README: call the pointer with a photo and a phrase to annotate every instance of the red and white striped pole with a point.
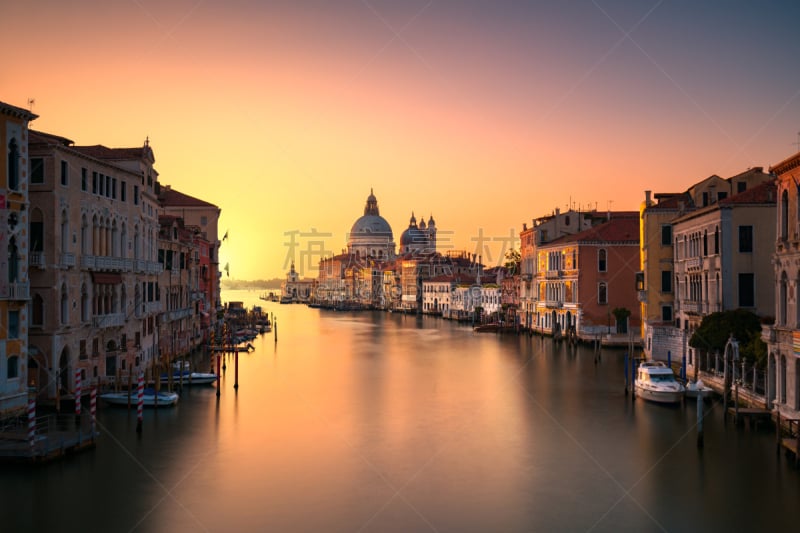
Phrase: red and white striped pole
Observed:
(140, 403)
(31, 420)
(93, 408)
(77, 392)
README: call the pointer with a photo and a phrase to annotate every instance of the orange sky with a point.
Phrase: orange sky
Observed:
(484, 114)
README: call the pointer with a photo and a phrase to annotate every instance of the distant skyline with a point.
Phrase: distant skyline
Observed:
(483, 114)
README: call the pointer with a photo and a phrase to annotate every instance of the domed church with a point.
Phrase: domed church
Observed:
(371, 236)
(418, 238)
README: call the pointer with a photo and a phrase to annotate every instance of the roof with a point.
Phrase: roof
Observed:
(763, 193)
(786, 165)
(169, 197)
(623, 226)
(16, 112)
(40, 137)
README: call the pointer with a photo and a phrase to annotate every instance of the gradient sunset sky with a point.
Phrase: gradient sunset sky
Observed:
(482, 114)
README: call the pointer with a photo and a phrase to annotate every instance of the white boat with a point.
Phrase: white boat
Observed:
(656, 382)
(190, 378)
(698, 389)
(150, 398)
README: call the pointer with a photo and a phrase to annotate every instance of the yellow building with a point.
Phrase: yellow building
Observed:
(14, 236)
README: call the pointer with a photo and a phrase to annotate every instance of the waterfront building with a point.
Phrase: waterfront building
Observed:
(510, 283)
(371, 235)
(294, 289)
(582, 278)
(14, 265)
(204, 215)
(662, 332)
(543, 230)
(783, 337)
(418, 238)
(178, 289)
(93, 268)
(722, 260)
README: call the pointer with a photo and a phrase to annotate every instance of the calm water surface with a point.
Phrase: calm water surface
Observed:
(385, 422)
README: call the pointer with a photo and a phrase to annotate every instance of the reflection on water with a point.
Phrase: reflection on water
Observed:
(387, 422)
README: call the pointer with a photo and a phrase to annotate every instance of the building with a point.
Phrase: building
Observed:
(93, 268)
(722, 259)
(179, 289)
(783, 337)
(371, 235)
(582, 278)
(14, 264)
(418, 238)
(294, 289)
(543, 230)
(203, 215)
(661, 332)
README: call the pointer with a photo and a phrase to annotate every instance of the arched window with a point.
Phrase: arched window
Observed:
(64, 232)
(602, 293)
(783, 380)
(13, 367)
(705, 242)
(716, 240)
(13, 165)
(784, 229)
(86, 242)
(13, 260)
(601, 260)
(64, 304)
(783, 318)
(123, 241)
(84, 303)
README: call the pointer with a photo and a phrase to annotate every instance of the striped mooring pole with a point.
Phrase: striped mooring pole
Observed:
(77, 392)
(93, 408)
(140, 403)
(31, 420)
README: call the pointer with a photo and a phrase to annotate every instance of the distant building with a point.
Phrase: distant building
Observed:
(14, 262)
(371, 235)
(294, 289)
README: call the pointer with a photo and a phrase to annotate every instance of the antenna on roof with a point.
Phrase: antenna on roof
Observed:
(31, 101)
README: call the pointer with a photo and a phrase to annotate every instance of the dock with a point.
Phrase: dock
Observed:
(56, 435)
(750, 415)
(790, 439)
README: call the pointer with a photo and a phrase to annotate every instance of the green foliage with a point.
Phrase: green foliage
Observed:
(513, 259)
(716, 328)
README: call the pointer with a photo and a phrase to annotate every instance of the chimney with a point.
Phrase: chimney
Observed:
(524, 226)
(647, 200)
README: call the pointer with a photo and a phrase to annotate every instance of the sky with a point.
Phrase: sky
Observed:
(483, 114)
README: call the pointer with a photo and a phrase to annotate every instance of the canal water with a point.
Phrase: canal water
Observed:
(386, 422)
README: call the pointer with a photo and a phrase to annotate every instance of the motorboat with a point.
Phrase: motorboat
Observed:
(698, 389)
(656, 382)
(190, 378)
(151, 398)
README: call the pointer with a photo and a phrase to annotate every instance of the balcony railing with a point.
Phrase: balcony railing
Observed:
(554, 274)
(19, 291)
(694, 263)
(178, 314)
(109, 321)
(37, 260)
(67, 260)
(152, 307)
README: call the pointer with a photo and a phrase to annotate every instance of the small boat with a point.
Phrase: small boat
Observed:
(492, 327)
(698, 389)
(190, 378)
(656, 382)
(150, 398)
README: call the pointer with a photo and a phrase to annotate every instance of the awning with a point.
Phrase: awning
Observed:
(106, 278)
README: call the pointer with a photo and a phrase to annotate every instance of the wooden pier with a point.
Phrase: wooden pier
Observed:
(750, 415)
(56, 435)
(789, 440)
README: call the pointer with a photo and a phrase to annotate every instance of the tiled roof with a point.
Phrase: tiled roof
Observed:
(40, 137)
(98, 151)
(763, 193)
(622, 227)
(169, 197)
(672, 201)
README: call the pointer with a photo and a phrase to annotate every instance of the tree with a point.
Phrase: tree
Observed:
(714, 330)
(513, 260)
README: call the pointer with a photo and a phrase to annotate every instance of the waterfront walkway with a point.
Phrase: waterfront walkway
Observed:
(55, 436)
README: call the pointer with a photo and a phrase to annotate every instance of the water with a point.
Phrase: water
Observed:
(385, 422)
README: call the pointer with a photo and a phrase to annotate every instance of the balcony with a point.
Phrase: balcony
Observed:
(554, 274)
(67, 260)
(694, 263)
(152, 307)
(552, 304)
(19, 291)
(111, 320)
(691, 307)
(178, 314)
(37, 260)
(641, 296)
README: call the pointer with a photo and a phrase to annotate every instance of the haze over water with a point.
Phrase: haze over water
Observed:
(388, 422)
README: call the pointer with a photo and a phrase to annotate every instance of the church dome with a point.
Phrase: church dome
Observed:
(374, 225)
